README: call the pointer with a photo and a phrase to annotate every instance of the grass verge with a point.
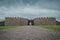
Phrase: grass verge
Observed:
(6, 27)
(51, 27)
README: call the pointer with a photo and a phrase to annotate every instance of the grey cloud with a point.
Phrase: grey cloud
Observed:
(51, 4)
(26, 8)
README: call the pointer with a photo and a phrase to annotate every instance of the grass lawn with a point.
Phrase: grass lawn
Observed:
(6, 27)
(51, 27)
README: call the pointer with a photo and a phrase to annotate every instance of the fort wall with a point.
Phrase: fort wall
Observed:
(15, 21)
(9, 21)
(45, 21)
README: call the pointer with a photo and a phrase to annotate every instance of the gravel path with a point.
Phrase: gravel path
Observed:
(29, 33)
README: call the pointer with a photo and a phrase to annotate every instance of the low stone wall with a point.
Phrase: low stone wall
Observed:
(57, 23)
(2, 23)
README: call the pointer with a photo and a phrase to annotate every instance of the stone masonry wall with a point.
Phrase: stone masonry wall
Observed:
(9, 21)
(45, 21)
(23, 21)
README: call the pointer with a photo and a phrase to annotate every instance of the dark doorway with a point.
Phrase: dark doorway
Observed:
(30, 22)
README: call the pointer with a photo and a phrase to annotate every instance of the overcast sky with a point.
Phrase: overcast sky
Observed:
(29, 8)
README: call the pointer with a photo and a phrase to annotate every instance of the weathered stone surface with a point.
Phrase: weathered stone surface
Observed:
(45, 21)
(15, 21)
(24, 21)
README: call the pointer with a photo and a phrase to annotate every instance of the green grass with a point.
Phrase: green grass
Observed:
(6, 27)
(51, 27)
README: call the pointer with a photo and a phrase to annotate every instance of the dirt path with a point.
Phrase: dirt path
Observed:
(28, 33)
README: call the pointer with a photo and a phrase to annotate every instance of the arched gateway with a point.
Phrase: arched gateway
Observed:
(30, 22)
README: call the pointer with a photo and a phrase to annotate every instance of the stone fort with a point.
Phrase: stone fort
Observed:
(12, 21)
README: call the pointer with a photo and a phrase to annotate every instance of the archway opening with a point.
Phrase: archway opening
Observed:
(30, 22)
